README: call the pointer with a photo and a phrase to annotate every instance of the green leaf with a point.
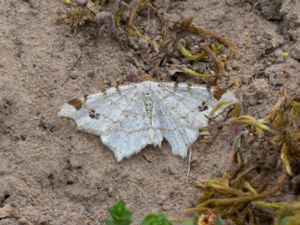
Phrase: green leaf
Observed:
(188, 222)
(155, 219)
(287, 220)
(192, 221)
(219, 221)
(120, 215)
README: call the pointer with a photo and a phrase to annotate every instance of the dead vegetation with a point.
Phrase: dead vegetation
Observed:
(265, 151)
(250, 190)
(166, 47)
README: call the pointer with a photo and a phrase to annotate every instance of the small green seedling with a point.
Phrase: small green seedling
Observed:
(155, 219)
(120, 215)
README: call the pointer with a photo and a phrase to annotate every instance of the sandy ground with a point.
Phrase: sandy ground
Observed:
(53, 174)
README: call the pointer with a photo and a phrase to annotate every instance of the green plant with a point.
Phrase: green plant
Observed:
(120, 215)
(289, 214)
(155, 219)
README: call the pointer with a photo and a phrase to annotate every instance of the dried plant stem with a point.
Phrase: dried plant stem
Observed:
(242, 199)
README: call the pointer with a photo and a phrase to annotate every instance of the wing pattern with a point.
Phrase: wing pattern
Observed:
(132, 116)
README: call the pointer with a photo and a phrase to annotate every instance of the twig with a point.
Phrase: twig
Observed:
(254, 6)
(189, 162)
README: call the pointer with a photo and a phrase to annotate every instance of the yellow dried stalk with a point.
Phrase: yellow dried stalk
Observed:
(190, 56)
(231, 196)
(251, 121)
(187, 25)
(218, 106)
(196, 74)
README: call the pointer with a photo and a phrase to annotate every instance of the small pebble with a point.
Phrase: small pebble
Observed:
(81, 2)
(248, 7)
(235, 65)
(22, 221)
(167, 206)
(91, 74)
(73, 75)
(295, 52)
(279, 55)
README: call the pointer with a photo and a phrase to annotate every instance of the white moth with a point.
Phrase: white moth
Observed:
(132, 116)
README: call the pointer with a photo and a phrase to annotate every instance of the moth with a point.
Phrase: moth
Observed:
(132, 116)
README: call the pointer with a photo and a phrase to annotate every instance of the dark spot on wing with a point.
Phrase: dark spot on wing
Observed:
(203, 107)
(76, 102)
(176, 84)
(93, 114)
(103, 91)
(118, 89)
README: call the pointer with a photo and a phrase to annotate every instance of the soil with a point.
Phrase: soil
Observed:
(54, 174)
